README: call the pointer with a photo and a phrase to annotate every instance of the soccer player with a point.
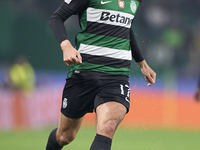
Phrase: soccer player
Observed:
(197, 93)
(99, 68)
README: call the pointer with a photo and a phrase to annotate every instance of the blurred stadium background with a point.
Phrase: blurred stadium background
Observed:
(32, 75)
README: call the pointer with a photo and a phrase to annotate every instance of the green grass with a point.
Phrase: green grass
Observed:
(125, 139)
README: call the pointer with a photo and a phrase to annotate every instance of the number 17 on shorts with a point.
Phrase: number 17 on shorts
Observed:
(125, 90)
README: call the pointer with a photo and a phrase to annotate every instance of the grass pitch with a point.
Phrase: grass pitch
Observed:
(125, 139)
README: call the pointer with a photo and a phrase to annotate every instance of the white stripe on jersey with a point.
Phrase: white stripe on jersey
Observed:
(103, 51)
(109, 17)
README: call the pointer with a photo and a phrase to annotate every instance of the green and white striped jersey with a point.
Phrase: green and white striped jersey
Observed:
(104, 39)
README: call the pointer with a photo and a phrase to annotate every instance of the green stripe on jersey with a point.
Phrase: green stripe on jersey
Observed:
(99, 68)
(102, 40)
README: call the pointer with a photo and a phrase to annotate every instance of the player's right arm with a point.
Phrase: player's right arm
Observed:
(70, 54)
(68, 8)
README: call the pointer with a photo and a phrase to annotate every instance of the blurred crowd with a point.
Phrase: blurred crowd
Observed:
(167, 32)
(19, 76)
(171, 36)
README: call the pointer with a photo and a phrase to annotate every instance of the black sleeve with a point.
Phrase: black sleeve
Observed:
(62, 14)
(136, 54)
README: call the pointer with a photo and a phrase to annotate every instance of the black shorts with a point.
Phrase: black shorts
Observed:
(81, 96)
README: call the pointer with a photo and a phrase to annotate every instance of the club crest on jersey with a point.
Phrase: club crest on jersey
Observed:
(133, 6)
(121, 4)
(68, 1)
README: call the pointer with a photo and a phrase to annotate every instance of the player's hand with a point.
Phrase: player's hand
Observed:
(150, 75)
(70, 54)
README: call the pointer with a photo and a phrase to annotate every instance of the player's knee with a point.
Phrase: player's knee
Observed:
(66, 139)
(107, 128)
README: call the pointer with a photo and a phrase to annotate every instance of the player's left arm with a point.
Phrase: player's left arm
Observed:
(150, 75)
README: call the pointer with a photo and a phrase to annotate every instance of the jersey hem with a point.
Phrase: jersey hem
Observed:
(97, 75)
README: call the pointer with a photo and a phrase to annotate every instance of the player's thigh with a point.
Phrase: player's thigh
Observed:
(109, 115)
(68, 127)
